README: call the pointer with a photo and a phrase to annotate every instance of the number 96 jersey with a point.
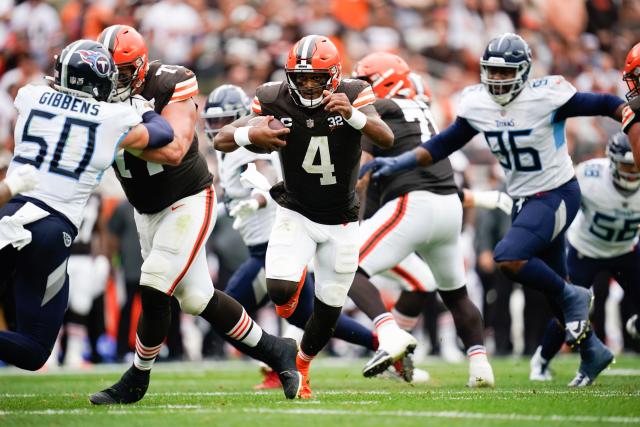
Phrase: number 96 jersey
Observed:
(607, 223)
(321, 160)
(530, 146)
(71, 141)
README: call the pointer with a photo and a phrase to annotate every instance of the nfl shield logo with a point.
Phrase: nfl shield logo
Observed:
(310, 123)
(67, 239)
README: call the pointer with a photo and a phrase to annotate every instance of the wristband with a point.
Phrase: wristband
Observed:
(241, 136)
(358, 119)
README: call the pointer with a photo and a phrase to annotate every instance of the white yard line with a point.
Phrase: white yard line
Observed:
(311, 411)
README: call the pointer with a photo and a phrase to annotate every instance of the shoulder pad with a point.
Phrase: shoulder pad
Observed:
(268, 92)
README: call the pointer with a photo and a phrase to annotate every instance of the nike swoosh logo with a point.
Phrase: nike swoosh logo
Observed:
(173, 208)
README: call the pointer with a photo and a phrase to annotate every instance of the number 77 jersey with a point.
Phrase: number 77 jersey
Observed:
(530, 146)
(71, 141)
(321, 160)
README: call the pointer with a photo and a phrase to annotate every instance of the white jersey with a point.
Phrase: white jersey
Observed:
(530, 147)
(71, 141)
(607, 224)
(257, 228)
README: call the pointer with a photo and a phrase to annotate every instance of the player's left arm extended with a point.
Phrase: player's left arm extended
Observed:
(182, 117)
(590, 104)
(435, 149)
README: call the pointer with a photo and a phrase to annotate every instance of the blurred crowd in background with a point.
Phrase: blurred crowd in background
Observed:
(246, 42)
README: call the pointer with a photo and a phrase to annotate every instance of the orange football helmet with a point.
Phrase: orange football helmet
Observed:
(387, 73)
(129, 52)
(313, 55)
(631, 73)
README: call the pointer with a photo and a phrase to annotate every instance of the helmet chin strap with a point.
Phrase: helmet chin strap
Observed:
(311, 103)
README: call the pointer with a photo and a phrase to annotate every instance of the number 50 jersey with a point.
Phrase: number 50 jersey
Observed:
(71, 141)
(529, 145)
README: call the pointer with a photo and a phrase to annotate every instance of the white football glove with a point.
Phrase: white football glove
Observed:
(22, 179)
(140, 104)
(243, 210)
(493, 200)
(251, 178)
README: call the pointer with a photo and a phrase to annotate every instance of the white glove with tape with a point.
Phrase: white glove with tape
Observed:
(251, 178)
(140, 104)
(22, 179)
(243, 210)
(493, 200)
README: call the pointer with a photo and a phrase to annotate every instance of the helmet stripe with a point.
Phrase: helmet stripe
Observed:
(65, 62)
(109, 40)
(305, 50)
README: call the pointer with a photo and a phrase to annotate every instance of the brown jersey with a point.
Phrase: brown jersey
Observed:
(321, 160)
(412, 124)
(152, 187)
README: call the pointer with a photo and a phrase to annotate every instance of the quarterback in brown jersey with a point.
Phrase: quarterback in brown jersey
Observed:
(175, 213)
(325, 117)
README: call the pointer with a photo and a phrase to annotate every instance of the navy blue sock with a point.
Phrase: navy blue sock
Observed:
(552, 340)
(538, 275)
(22, 351)
(352, 331)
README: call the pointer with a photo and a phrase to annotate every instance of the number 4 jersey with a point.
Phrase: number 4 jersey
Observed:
(71, 141)
(529, 145)
(321, 160)
(607, 223)
(151, 187)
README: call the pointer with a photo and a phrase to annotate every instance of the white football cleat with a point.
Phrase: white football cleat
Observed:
(631, 327)
(391, 348)
(481, 375)
(539, 367)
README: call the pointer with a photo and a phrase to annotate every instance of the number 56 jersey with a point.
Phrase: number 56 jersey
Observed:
(71, 141)
(530, 146)
(321, 160)
(607, 223)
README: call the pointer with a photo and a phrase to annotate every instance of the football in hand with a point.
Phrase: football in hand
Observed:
(274, 124)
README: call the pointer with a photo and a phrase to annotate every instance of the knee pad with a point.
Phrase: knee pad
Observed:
(333, 294)
(193, 300)
(155, 272)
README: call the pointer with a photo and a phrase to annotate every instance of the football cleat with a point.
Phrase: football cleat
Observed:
(284, 363)
(594, 360)
(404, 367)
(480, 374)
(576, 307)
(389, 351)
(539, 367)
(305, 389)
(270, 380)
(632, 329)
(131, 388)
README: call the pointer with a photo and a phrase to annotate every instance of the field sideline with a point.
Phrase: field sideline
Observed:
(219, 393)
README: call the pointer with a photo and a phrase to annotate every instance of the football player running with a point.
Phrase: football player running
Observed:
(254, 212)
(631, 113)
(523, 124)
(175, 213)
(409, 221)
(67, 135)
(317, 217)
(603, 238)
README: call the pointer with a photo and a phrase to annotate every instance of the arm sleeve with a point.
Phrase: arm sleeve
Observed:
(160, 131)
(449, 140)
(588, 104)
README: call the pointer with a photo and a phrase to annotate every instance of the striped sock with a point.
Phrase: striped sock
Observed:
(404, 322)
(145, 356)
(477, 353)
(303, 361)
(246, 331)
(384, 322)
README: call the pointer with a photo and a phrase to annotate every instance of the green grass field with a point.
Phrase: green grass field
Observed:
(220, 394)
